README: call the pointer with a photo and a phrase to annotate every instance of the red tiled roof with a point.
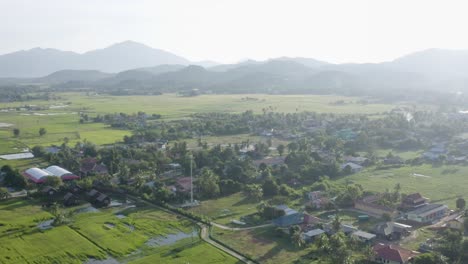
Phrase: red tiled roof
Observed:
(184, 184)
(394, 253)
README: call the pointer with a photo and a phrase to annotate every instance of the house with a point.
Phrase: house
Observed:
(311, 220)
(393, 254)
(314, 195)
(363, 236)
(369, 205)
(290, 217)
(93, 193)
(457, 223)
(184, 184)
(428, 213)
(52, 150)
(309, 236)
(362, 161)
(172, 170)
(70, 199)
(412, 201)
(48, 190)
(270, 161)
(91, 166)
(353, 167)
(103, 200)
(347, 229)
(317, 200)
(392, 230)
(395, 160)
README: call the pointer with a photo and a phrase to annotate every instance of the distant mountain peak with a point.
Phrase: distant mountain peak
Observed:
(118, 57)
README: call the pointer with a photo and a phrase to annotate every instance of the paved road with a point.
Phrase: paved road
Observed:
(204, 234)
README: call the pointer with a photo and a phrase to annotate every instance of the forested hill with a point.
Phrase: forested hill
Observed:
(408, 76)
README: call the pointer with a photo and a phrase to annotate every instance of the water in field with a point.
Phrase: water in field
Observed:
(170, 239)
(108, 260)
(89, 209)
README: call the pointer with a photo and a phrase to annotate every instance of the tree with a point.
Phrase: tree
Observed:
(208, 183)
(38, 151)
(16, 132)
(4, 194)
(229, 186)
(270, 188)
(13, 178)
(430, 258)
(336, 224)
(296, 236)
(280, 149)
(42, 131)
(53, 181)
(293, 146)
(254, 191)
(461, 203)
(452, 245)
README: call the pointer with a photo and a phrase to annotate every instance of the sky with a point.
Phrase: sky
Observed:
(225, 31)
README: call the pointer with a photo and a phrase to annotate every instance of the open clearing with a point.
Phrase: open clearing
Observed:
(64, 122)
(261, 244)
(442, 184)
(223, 210)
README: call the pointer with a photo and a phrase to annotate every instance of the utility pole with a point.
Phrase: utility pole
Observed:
(191, 180)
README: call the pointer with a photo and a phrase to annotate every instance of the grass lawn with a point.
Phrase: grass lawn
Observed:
(123, 236)
(351, 218)
(197, 253)
(417, 237)
(402, 154)
(224, 209)
(261, 244)
(443, 184)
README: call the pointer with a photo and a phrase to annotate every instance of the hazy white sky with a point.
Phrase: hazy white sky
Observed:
(229, 31)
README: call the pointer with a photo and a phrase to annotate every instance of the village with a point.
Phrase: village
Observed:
(301, 184)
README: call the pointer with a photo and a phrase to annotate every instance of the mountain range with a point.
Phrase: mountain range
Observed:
(130, 67)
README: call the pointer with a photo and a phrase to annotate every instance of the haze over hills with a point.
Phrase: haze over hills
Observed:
(127, 55)
(136, 68)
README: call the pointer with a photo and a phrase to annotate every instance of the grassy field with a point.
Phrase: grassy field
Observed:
(22, 242)
(442, 184)
(173, 106)
(58, 128)
(123, 236)
(63, 122)
(261, 244)
(196, 253)
(223, 210)
(98, 235)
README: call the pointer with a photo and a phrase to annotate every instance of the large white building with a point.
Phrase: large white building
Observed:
(39, 175)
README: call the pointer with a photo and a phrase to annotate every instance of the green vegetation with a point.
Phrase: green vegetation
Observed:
(97, 234)
(123, 236)
(22, 242)
(197, 253)
(224, 209)
(264, 244)
(442, 184)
